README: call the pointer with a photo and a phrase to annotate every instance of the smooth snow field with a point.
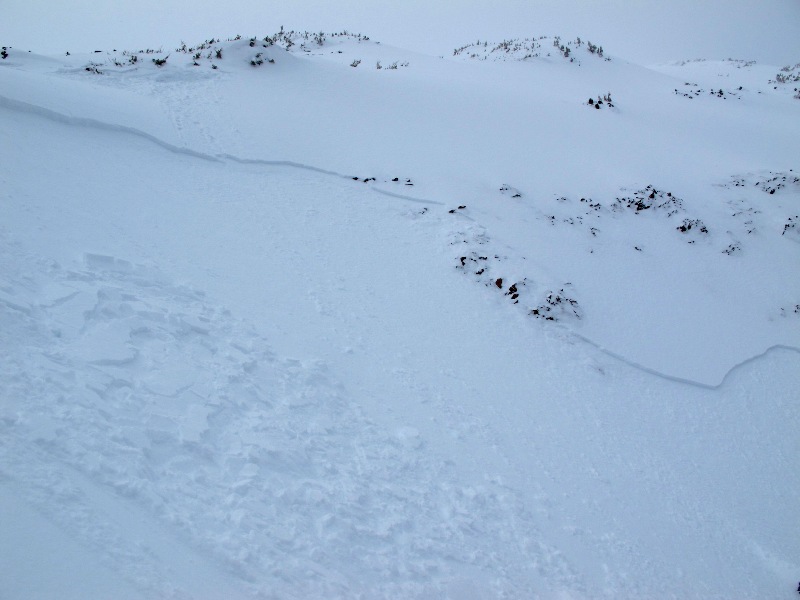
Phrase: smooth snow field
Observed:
(277, 323)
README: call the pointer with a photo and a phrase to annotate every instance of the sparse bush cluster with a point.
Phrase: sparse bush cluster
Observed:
(716, 93)
(205, 50)
(564, 50)
(391, 67)
(732, 248)
(557, 304)
(649, 198)
(741, 64)
(770, 183)
(510, 191)
(196, 50)
(683, 63)
(211, 50)
(524, 49)
(258, 60)
(594, 49)
(287, 39)
(605, 100)
(690, 224)
(774, 182)
(475, 256)
(784, 312)
(788, 74)
(476, 260)
(553, 306)
(397, 180)
(126, 58)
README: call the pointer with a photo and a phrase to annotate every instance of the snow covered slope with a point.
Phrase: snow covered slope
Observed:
(277, 322)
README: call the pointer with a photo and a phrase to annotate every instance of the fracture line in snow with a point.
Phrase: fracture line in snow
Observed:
(298, 165)
(279, 163)
(26, 107)
(699, 384)
(409, 198)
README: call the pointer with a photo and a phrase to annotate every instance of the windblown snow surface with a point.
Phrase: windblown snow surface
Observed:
(278, 323)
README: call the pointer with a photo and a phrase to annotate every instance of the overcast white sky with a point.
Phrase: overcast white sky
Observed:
(644, 31)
